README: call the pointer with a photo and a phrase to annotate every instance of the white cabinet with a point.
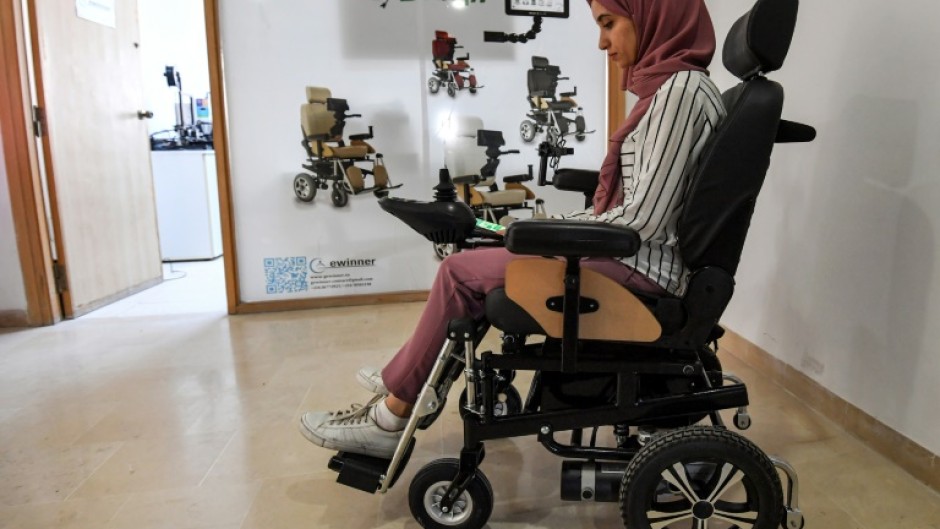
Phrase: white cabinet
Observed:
(187, 195)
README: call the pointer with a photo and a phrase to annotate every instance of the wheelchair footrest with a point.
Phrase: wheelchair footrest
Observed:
(365, 472)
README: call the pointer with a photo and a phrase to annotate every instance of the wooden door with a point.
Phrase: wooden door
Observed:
(96, 151)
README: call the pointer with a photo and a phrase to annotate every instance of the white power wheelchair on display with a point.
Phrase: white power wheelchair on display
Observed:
(644, 366)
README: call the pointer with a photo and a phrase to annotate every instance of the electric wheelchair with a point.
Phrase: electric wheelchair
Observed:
(557, 116)
(454, 74)
(330, 159)
(472, 158)
(644, 366)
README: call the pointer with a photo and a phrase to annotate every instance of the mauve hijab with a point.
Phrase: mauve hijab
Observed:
(672, 36)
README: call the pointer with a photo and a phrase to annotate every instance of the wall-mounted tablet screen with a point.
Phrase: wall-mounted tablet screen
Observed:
(545, 8)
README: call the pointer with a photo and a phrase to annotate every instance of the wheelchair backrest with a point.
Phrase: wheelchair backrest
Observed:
(443, 46)
(731, 171)
(462, 155)
(543, 78)
(315, 120)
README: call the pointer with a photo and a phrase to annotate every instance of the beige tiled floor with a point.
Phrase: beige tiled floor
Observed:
(188, 421)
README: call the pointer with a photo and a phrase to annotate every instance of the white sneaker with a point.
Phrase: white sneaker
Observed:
(371, 379)
(354, 432)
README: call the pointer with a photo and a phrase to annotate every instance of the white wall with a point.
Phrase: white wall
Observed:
(379, 60)
(172, 33)
(12, 294)
(839, 275)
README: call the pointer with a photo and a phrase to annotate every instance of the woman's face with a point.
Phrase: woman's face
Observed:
(617, 35)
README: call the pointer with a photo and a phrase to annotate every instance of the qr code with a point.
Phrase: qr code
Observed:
(285, 274)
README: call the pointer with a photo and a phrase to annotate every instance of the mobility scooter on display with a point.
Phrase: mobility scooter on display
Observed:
(333, 162)
(454, 74)
(645, 367)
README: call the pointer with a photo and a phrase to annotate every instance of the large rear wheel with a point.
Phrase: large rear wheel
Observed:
(701, 477)
(305, 187)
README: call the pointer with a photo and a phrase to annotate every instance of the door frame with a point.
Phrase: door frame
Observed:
(23, 175)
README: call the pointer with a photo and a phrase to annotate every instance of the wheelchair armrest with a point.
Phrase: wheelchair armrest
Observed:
(352, 116)
(569, 94)
(571, 238)
(467, 179)
(580, 180)
(511, 151)
(793, 132)
(363, 136)
(516, 178)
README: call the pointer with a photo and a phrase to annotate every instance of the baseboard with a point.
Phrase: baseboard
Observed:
(320, 303)
(14, 318)
(913, 458)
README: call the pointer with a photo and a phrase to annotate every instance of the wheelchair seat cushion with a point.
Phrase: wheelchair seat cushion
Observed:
(346, 152)
(504, 314)
(504, 197)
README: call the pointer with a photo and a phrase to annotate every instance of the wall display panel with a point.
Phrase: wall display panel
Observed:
(376, 63)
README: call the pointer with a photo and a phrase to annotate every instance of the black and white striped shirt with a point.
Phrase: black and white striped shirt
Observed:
(658, 159)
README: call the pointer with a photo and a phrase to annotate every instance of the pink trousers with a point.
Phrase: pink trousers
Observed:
(459, 291)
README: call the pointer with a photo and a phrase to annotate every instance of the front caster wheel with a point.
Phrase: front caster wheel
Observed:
(472, 508)
(452, 89)
(339, 195)
(434, 84)
(698, 477)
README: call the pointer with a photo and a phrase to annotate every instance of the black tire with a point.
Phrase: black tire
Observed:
(508, 402)
(678, 472)
(473, 90)
(476, 502)
(305, 187)
(434, 85)
(528, 130)
(451, 89)
(339, 195)
(579, 125)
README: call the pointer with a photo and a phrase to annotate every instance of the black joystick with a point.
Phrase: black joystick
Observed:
(445, 191)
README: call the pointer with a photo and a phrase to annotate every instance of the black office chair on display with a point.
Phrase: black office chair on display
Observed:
(644, 366)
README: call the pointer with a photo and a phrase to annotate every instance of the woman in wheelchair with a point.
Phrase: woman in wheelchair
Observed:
(628, 340)
(664, 49)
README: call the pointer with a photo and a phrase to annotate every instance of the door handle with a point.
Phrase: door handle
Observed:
(144, 114)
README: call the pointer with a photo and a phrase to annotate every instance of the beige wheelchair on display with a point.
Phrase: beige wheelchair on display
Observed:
(333, 162)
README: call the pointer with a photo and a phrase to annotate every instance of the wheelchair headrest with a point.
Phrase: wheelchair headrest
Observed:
(318, 94)
(467, 126)
(442, 35)
(490, 138)
(540, 62)
(758, 41)
(338, 106)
